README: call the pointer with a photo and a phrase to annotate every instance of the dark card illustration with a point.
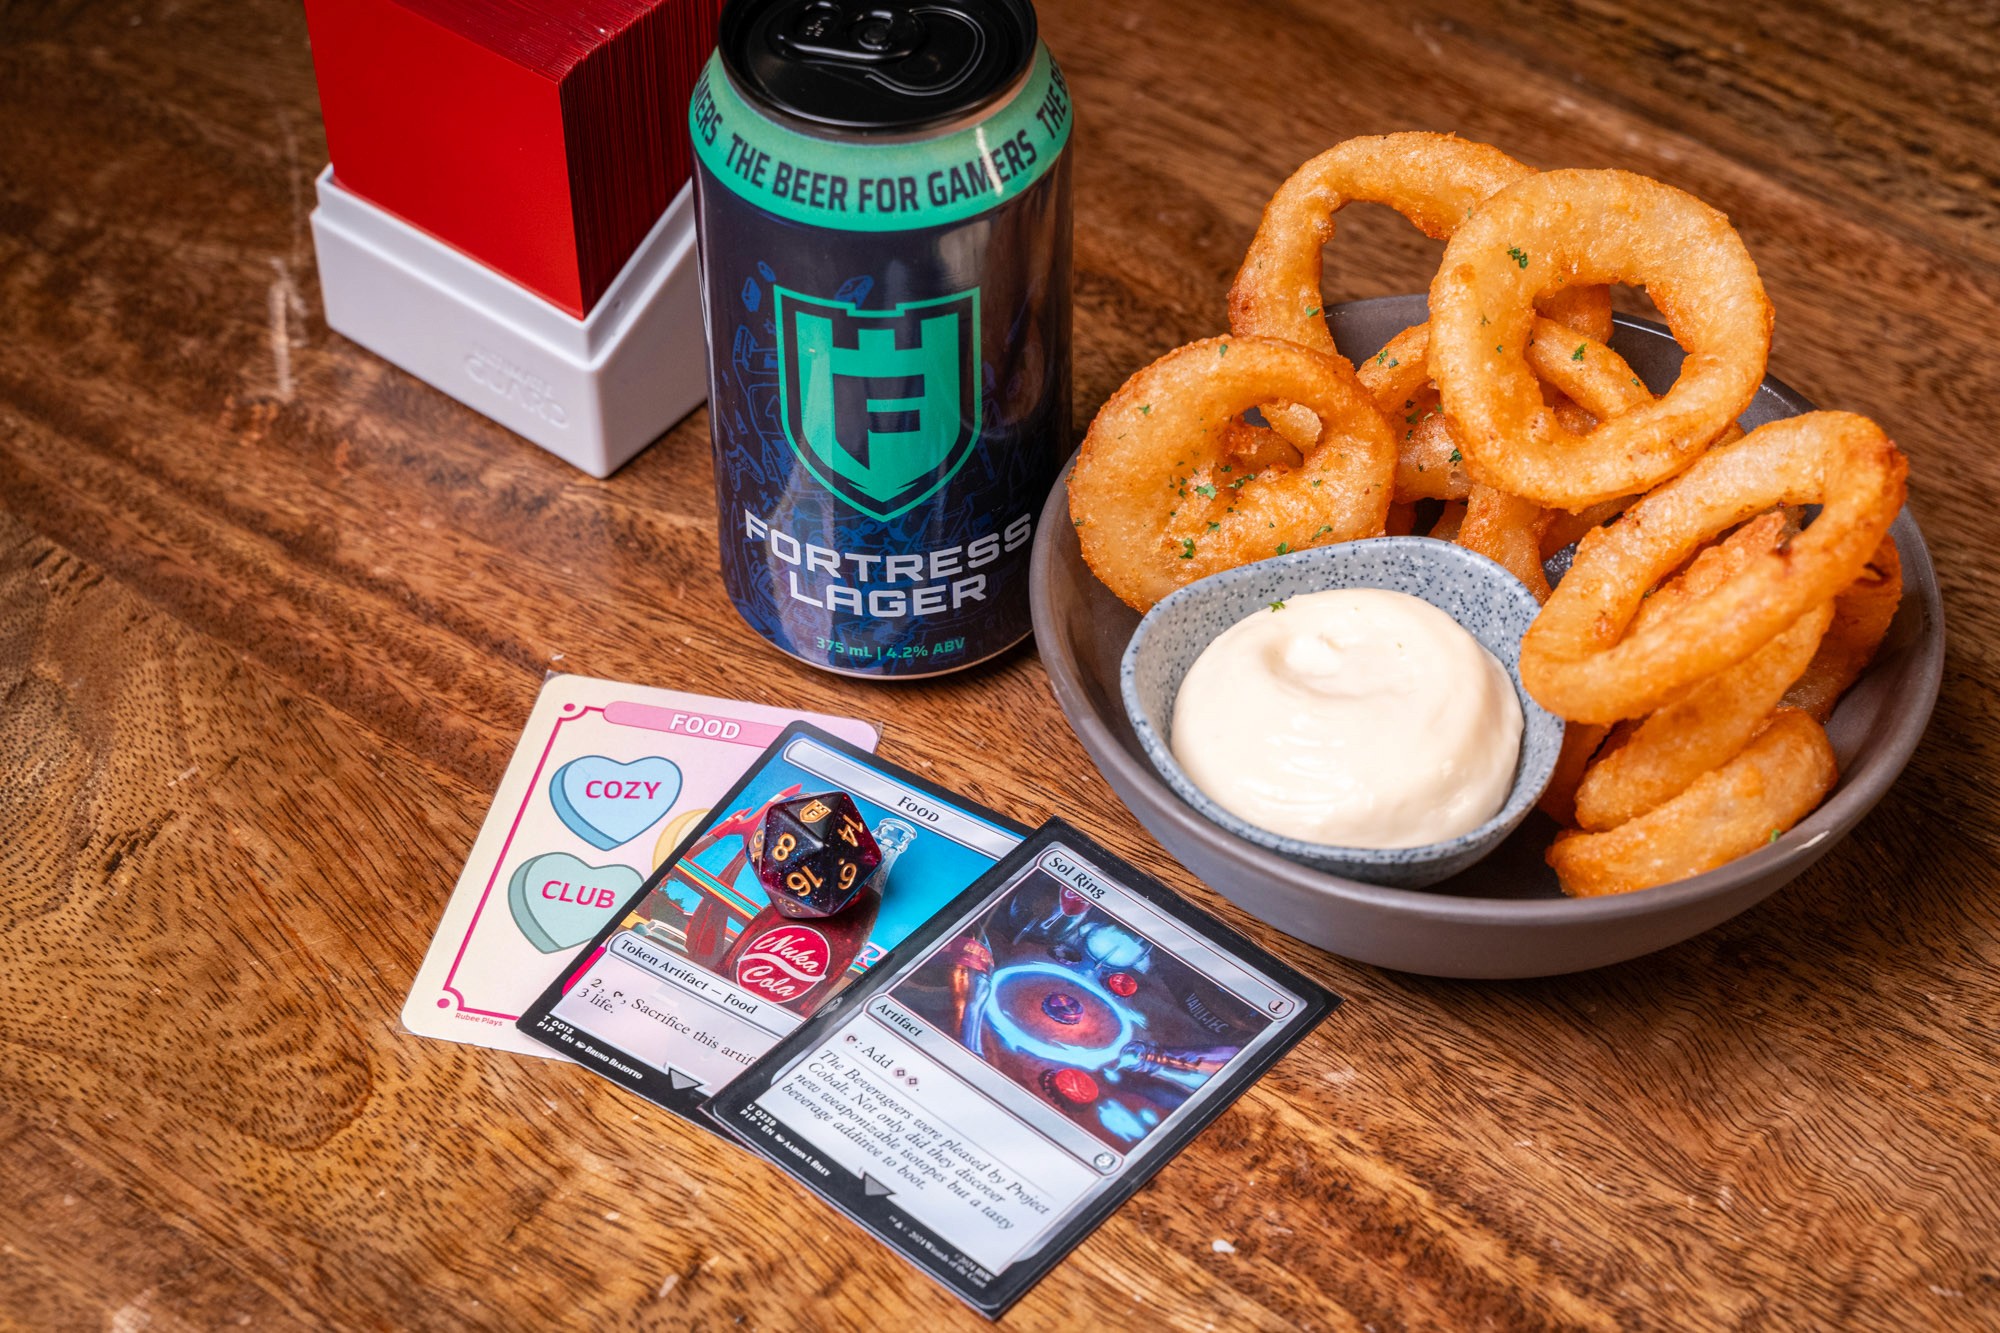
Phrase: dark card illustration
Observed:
(1074, 1005)
(1021, 1064)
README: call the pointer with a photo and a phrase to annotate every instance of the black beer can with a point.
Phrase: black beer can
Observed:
(883, 212)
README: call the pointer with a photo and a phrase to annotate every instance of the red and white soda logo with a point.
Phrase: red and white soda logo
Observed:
(784, 962)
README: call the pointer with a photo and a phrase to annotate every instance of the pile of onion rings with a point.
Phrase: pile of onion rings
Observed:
(1705, 627)
(1157, 473)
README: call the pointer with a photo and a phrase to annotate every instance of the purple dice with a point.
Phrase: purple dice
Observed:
(813, 854)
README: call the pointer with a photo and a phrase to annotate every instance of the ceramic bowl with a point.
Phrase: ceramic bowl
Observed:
(1502, 916)
(1488, 602)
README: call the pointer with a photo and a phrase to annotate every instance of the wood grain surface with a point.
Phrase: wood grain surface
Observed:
(272, 614)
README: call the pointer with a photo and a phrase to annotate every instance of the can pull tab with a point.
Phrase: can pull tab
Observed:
(917, 50)
(853, 34)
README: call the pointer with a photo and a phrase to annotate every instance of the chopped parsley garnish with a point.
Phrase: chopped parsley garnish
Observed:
(1774, 834)
(1284, 547)
(1278, 605)
(1224, 350)
(1457, 457)
(1310, 313)
(1514, 253)
(1577, 355)
(1208, 491)
(1187, 548)
(1145, 409)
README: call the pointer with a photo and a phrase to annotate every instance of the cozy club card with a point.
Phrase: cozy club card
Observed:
(606, 781)
(698, 974)
(1019, 1067)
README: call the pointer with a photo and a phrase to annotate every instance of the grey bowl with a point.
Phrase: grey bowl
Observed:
(1504, 915)
(1492, 605)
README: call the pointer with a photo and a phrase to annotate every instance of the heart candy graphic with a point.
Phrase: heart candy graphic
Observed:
(607, 803)
(559, 902)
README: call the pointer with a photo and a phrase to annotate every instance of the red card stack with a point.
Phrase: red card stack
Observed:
(541, 137)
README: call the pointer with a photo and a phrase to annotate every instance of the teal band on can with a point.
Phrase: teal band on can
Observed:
(855, 185)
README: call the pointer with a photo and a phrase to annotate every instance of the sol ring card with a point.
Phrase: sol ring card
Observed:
(699, 972)
(1020, 1066)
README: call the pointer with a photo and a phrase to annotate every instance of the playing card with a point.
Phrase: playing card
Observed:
(1016, 1069)
(606, 780)
(699, 974)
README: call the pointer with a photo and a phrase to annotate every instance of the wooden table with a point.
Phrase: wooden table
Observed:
(273, 614)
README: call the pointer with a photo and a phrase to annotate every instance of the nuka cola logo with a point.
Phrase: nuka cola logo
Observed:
(882, 406)
(784, 963)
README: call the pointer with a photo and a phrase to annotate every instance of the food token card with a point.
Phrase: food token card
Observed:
(1021, 1065)
(607, 779)
(698, 974)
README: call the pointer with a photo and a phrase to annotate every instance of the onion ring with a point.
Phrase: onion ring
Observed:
(1508, 531)
(1861, 617)
(1449, 520)
(1566, 529)
(1600, 383)
(1710, 724)
(1399, 372)
(1586, 369)
(1696, 734)
(1254, 448)
(1577, 659)
(1595, 378)
(1559, 229)
(1153, 497)
(1581, 741)
(1775, 782)
(1434, 180)
(1500, 526)
(1429, 463)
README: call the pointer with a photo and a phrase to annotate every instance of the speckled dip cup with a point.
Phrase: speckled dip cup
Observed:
(1488, 602)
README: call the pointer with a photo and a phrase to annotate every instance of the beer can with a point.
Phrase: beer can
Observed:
(883, 215)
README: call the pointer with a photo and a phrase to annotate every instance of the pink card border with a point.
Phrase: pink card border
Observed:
(634, 714)
(534, 785)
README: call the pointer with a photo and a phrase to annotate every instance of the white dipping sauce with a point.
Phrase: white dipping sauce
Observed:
(1356, 717)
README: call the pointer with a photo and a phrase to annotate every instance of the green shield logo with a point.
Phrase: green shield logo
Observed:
(882, 406)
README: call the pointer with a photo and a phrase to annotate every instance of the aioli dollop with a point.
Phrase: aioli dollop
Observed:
(1356, 717)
